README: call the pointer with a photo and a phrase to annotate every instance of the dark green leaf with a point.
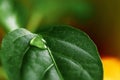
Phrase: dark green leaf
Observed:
(74, 52)
(72, 55)
(14, 47)
(38, 65)
(23, 61)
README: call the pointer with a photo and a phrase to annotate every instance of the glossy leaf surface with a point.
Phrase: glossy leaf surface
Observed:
(23, 61)
(72, 55)
(75, 53)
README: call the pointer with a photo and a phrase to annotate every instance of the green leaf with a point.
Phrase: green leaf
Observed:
(14, 47)
(74, 52)
(56, 11)
(78, 7)
(72, 55)
(38, 65)
(23, 59)
(12, 14)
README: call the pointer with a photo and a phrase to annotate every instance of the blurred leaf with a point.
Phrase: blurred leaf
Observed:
(12, 14)
(22, 13)
(52, 11)
(78, 7)
(31, 13)
(83, 11)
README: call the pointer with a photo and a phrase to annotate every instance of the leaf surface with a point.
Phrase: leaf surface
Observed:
(74, 52)
(65, 54)
(23, 61)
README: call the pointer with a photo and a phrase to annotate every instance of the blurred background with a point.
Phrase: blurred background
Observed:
(100, 19)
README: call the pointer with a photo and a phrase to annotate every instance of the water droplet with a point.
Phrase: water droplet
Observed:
(39, 42)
